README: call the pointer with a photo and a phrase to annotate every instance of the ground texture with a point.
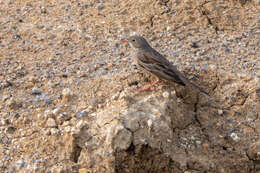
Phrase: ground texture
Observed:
(68, 100)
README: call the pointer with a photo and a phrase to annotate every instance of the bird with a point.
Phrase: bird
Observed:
(150, 60)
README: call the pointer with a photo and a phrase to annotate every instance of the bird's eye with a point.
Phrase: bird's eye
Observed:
(133, 40)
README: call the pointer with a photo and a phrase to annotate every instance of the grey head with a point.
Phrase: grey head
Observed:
(138, 42)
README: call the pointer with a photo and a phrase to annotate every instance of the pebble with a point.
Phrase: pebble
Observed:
(67, 129)
(47, 100)
(12, 104)
(234, 137)
(220, 112)
(80, 124)
(11, 170)
(54, 131)
(81, 114)
(94, 101)
(100, 6)
(83, 170)
(115, 96)
(56, 111)
(16, 36)
(36, 92)
(149, 123)
(227, 50)
(166, 94)
(51, 122)
(20, 163)
(67, 94)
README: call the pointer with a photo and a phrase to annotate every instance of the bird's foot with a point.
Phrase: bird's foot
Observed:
(150, 87)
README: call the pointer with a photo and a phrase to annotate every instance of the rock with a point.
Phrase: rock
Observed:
(234, 137)
(254, 151)
(166, 94)
(36, 91)
(20, 163)
(67, 95)
(51, 122)
(47, 100)
(94, 101)
(81, 114)
(13, 104)
(220, 112)
(122, 140)
(16, 36)
(54, 131)
(83, 170)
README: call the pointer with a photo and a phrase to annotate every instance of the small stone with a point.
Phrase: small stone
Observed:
(83, 170)
(94, 101)
(67, 129)
(20, 163)
(80, 124)
(5, 122)
(206, 145)
(47, 132)
(56, 111)
(36, 92)
(12, 104)
(67, 94)
(54, 131)
(47, 100)
(123, 139)
(166, 94)
(234, 137)
(51, 122)
(81, 114)
(115, 96)
(100, 6)
(47, 113)
(198, 142)
(110, 65)
(16, 36)
(227, 50)
(220, 112)
(11, 170)
(149, 123)
(10, 130)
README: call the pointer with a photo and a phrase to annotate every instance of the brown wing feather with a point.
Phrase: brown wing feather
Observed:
(160, 67)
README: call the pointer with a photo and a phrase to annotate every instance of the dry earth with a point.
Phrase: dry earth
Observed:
(68, 100)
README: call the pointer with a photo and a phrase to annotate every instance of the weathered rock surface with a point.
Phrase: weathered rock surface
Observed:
(68, 89)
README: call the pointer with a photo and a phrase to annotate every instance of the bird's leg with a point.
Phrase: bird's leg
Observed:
(149, 87)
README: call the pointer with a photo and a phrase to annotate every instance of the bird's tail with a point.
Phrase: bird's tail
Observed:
(188, 82)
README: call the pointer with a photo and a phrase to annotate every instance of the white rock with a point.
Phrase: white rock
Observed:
(220, 112)
(51, 122)
(80, 124)
(166, 94)
(67, 129)
(56, 111)
(149, 123)
(66, 92)
(234, 137)
(54, 131)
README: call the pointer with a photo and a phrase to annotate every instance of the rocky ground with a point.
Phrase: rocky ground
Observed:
(68, 87)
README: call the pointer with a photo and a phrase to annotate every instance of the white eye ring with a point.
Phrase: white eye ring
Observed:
(133, 40)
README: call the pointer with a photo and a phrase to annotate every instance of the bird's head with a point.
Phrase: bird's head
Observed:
(138, 42)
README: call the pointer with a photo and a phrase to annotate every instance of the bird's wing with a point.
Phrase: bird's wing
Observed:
(155, 63)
